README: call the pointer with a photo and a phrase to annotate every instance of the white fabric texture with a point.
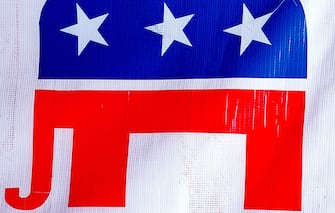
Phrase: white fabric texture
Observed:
(19, 60)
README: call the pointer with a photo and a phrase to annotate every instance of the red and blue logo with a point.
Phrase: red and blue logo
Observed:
(189, 44)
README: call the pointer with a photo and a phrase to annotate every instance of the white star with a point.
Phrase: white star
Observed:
(86, 29)
(171, 29)
(250, 29)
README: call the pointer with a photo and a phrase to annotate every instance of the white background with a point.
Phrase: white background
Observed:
(19, 50)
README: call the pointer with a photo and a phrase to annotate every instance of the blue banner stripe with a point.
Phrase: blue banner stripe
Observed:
(175, 39)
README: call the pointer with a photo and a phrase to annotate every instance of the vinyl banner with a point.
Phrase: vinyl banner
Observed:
(167, 106)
